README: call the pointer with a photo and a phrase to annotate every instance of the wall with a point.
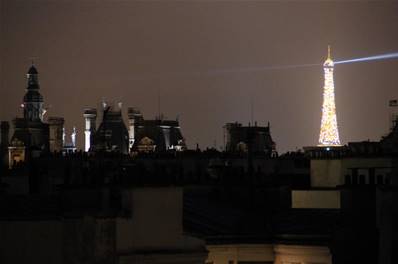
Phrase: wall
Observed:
(71, 241)
(331, 172)
(321, 199)
(155, 227)
(387, 219)
(153, 233)
(268, 253)
(326, 172)
(292, 254)
(223, 254)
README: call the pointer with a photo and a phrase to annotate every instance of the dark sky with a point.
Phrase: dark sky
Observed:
(130, 51)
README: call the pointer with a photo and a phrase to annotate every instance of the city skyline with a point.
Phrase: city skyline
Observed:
(198, 132)
(289, 98)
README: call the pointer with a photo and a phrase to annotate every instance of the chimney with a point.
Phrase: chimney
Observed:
(135, 117)
(90, 117)
(56, 125)
(393, 113)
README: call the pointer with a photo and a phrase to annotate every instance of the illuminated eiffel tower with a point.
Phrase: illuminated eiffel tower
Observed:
(329, 134)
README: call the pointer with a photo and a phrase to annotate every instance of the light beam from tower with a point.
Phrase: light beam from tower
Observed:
(329, 134)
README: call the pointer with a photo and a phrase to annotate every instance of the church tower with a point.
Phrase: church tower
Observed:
(31, 136)
(33, 100)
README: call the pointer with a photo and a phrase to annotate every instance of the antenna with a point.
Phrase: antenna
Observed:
(32, 59)
(329, 57)
(251, 109)
(159, 115)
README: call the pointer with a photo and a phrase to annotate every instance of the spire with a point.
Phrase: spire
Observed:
(329, 55)
(32, 69)
(32, 76)
(329, 62)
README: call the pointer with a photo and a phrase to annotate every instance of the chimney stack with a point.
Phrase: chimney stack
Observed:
(90, 117)
(56, 125)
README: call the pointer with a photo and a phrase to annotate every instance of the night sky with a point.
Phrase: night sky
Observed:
(131, 51)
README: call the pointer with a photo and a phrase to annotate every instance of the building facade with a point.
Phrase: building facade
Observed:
(240, 138)
(141, 136)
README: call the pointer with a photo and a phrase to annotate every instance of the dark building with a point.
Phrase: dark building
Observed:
(239, 137)
(157, 135)
(4, 141)
(258, 217)
(142, 135)
(363, 176)
(112, 134)
(365, 230)
(389, 143)
(108, 225)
